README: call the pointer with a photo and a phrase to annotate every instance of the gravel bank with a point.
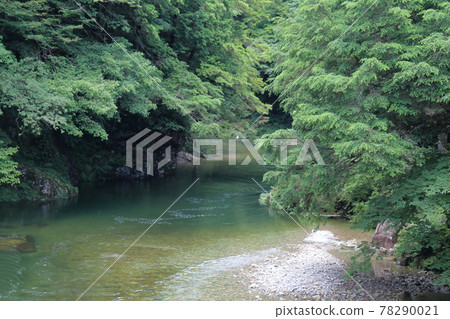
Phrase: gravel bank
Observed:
(310, 272)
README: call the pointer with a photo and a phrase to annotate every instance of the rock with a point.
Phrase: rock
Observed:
(385, 235)
(404, 260)
(184, 157)
(37, 184)
(20, 243)
(128, 173)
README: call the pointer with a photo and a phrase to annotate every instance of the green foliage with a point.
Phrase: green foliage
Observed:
(76, 95)
(422, 194)
(8, 168)
(372, 92)
(427, 245)
(202, 49)
(420, 200)
(79, 79)
(362, 261)
(374, 100)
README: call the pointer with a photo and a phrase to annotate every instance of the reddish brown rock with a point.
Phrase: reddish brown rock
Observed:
(385, 235)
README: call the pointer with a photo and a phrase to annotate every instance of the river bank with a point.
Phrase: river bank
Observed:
(311, 271)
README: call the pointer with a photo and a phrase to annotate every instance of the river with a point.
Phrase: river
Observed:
(192, 253)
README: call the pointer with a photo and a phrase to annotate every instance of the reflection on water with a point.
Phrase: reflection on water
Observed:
(191, 253)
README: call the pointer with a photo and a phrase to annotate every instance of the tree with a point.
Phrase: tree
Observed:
(374, 103)
(84, 75)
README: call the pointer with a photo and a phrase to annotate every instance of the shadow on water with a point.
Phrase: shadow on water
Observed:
(31, 214)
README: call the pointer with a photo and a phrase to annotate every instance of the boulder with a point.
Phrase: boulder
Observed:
(385, 236)
(20, 243)
(184, 157)
(128, 173)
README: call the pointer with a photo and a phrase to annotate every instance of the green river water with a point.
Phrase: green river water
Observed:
(192, 253)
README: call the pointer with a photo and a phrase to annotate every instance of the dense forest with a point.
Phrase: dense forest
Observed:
(368, 81)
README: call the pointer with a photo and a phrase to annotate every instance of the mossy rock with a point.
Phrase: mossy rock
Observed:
(38, 185)
(20, 243)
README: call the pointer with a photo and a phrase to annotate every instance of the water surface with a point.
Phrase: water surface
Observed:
(192, 253)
